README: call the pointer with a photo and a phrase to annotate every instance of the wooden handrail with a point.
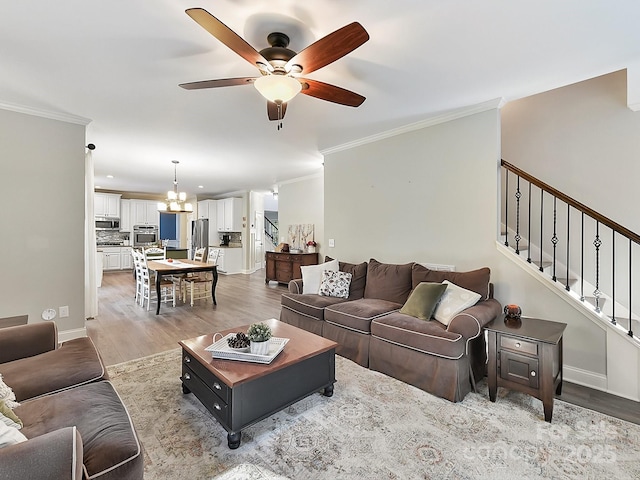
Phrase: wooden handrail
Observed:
(574, 203)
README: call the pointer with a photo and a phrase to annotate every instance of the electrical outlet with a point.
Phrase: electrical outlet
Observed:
(64, 311)
(332, 243)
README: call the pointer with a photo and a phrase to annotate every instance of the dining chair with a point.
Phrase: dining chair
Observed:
(138, 259)
(148, 288)
(198, 286)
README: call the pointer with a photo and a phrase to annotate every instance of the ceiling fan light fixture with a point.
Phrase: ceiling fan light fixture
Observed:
(278, 88)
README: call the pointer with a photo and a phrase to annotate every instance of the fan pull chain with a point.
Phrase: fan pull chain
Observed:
(279, 116)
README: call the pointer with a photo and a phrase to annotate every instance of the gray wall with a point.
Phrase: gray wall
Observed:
(42, 217)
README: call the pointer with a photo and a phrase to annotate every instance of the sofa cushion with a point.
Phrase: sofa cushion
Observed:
(312, 275)
(309, 305)
(335, 284)
(110, 446)
(423, 300)
(454, 301)
(358, 277)
(75, 362)
(387, 281)
(475, 280)
(427, 337)
(358, 314)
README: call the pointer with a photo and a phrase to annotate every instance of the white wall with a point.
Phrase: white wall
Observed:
(430, 196)
(43, 224)
(300, 202)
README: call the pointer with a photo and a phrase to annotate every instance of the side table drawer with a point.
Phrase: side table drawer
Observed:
(216, 385)
(519, 345)
(209, 399)
(519, 369)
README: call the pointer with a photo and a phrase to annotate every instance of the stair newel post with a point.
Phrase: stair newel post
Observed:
(529, 226)
(554, 237)
(613, 277)
(597, 243)
(541, 226)
(630, 332)
(582, 258)
(506, 208)
(518, 196)
(567, 287)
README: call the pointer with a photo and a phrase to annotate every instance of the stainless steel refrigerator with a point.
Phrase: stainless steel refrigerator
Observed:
(199, 234)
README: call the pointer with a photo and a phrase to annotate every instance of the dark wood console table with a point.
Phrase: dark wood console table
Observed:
(526, 356)
(284, 267)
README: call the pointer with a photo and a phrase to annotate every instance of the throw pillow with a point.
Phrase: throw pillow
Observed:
(423, 300)
(8, 417)
(10, 436)
(453, 301)
(7, 394)
(335, 284)
(312, 275)
(358, 273)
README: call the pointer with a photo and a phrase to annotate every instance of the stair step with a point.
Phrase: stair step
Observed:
(592, 301)
(545, 264)
(571, 282)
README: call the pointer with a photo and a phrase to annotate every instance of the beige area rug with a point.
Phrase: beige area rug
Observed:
(375, 427)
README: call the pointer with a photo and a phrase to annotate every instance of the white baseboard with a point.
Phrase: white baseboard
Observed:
(71, 334)
(597, 381)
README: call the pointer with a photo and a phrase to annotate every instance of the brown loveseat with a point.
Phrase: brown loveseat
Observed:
(444, 360)
(75, 422)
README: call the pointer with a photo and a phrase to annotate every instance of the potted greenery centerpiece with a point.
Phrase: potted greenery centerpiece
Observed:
(259, 334)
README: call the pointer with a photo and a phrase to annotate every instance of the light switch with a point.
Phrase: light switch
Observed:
(332, 243)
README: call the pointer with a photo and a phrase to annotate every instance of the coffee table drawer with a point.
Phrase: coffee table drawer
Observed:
(207, 397)
(208, 378)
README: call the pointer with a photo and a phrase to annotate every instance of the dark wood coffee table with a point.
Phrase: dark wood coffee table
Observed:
(239, 394)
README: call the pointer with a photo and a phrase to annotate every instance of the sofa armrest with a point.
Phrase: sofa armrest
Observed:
(27, 340)
(470, 322)
(295, 286)
(53, 456)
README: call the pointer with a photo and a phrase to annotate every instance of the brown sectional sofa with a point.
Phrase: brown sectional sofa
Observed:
(371, 331)
(76, 425)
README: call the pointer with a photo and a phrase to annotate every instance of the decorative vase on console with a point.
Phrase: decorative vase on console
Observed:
(311, 246)
(259, 334)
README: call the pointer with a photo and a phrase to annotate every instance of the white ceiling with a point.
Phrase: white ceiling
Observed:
(119, 63)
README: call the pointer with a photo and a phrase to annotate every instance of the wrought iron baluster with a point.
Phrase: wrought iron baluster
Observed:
(630, 332)
(566, 287)
(613, 277)
(541, 221)
(518, 237)
(554, 238)
(529, 222)
(506, 208)
(582, 259)
(597, 243)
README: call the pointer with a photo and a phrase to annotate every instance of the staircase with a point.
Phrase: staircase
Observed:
(271, 232)
(588, 256)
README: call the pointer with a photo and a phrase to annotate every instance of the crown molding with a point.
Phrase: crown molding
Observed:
(496, 103)
(37, 112)
(301, 179)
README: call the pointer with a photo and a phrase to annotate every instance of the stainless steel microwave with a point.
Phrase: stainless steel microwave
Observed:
(105, 223)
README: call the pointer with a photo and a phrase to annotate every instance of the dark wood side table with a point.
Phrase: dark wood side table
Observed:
(526, 356)
(284, 267)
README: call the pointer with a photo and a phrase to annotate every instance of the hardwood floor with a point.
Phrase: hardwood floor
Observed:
(124, 331)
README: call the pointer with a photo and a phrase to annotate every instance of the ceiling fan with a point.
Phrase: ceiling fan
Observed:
(280, 67)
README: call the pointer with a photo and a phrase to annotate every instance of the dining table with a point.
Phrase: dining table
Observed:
(169, 267)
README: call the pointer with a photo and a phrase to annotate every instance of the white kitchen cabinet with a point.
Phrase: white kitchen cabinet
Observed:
(230, 211)
(111, 258)
(125, 216)
(106, 204)
(230, 260)
(145, 212)
(126, 260)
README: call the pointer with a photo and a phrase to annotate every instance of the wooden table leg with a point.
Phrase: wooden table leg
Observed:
(214, 282)
(158, 281)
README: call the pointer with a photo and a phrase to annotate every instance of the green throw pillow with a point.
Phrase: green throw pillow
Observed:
(423, 300)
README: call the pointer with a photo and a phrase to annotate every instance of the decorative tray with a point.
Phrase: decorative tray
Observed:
(221, 349)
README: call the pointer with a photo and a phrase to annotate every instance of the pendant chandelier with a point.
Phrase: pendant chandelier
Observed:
(176, 201)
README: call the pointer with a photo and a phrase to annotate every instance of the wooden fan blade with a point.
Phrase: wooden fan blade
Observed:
(330, 93)
(330, 48)
(227, 36)
(222, 82)
(272, 111)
